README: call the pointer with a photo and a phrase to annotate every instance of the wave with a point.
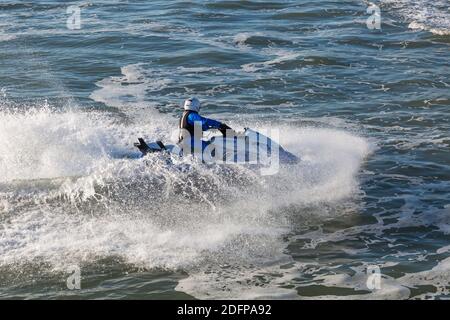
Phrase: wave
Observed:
(281, 56)
(432, 16)
(259, 39)
(7, 37)
(245, 5)
(67, 197)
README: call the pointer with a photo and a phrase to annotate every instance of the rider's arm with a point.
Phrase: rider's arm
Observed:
(206, 123)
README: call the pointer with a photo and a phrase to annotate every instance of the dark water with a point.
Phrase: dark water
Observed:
(367, 110)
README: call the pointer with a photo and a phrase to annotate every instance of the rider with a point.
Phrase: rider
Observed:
(191, 117)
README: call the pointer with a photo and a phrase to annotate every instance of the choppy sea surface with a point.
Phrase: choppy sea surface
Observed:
(367, 110)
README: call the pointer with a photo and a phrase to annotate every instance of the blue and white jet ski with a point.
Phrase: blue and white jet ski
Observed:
(244, 147)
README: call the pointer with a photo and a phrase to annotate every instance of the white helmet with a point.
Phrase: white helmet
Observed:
(192, 104)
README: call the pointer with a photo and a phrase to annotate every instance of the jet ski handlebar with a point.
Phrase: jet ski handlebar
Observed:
(223, 129)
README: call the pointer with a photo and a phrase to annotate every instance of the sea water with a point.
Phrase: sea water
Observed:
(365, 214)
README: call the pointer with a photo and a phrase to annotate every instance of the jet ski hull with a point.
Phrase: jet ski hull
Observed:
(248, 147)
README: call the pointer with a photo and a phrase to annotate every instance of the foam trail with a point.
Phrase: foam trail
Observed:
(432, 16)
(69, 199)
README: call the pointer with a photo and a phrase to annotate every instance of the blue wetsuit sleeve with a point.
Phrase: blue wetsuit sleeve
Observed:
(206, 123)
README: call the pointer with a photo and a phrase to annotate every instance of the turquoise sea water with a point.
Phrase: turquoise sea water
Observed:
(366, 109)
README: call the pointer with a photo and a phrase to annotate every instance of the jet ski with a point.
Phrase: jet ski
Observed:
(247, 147)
